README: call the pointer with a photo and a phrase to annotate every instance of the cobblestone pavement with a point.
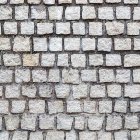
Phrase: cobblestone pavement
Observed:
(70, 70)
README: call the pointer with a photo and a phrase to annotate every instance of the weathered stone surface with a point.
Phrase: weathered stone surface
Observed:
(114, 28)
(69, 70)
(30, 59)
(21, 44)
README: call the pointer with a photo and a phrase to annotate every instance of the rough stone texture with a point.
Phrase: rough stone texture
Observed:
(40, 44)
(95, 122)
(21, 44)
(21, 12)
(70, 70)
(114, 28)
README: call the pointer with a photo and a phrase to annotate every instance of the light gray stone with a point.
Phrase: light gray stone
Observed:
(123, 12)
(74, 106)
(71, 135)
(21, 44)
(132, 91)
(4, 135)
(131, 122)
(104, 135)
(72, 44)
(80, 60)
(62, 91)
(46, 122)
(55, 107)
(36, 136)
(5, 12)
(97, 91)
(114, 90)
(45, 91)
(70, 76)
(72, 13)
(22, 75)
(121, 135)
(55, 12)
(27, 28)
(6, 76)
(106, 75)
(64, 122)
(55, 135)
(90, 106)
(28, 122)
(80, 91)
(114, 122)
(21, 12)
(20, 135)
(36, 106)
(105, 106)
(63, 60)
(44, 28)
(54, 75)
(18, 106)
(104, 44)
(40, 44)
(114, 28)
(10, 27)
(12, 122)
(38, 12)
(5, 43)
(47, 60)
(12, 91)
(79, 123)
(95, 28)
(29, 91)
(87, 135)
(95, 122)
(12, 59)
(88, 75)
(120, 106)
(105, 13)
(39, 75)
(55, 44)
(63, 28)
(88, 44)
(88, 12)
(122, 43)
(78, 28)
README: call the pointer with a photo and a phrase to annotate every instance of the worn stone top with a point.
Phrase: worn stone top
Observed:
(69, 69)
